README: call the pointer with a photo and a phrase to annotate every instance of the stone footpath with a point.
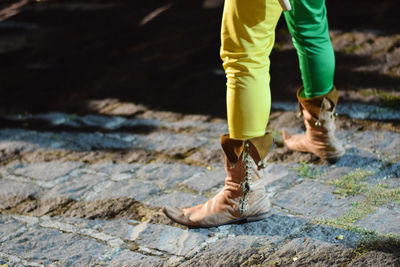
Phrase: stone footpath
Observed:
(86, 190)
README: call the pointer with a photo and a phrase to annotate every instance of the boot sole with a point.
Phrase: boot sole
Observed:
(254, 218)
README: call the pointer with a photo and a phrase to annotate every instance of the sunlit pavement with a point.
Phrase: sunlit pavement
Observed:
(87, 191)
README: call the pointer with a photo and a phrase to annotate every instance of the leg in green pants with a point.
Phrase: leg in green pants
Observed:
(308, 25)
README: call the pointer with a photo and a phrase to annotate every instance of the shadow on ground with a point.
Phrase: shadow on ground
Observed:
(58, 55)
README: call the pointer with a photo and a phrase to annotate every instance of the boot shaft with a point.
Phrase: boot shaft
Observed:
(239, 158)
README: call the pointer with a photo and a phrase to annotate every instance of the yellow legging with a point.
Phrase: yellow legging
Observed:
(247, 38)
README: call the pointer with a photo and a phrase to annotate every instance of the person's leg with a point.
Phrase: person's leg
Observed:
(308, 25)
(247, 37)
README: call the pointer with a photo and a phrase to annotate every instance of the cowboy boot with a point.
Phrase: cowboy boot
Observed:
(319, 119)
(238, 201)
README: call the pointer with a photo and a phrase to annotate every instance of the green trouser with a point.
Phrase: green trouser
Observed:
(308, 26)
(247, 38)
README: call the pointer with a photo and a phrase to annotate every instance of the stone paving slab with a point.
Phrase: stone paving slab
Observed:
(309, 252)
(122, 170)
(167, 175)
(132, 188)
(206, 180)
(175, 199)
(290, 235)
(9, 228)
(117, 122)
(133, 259)
(228, 251)
(75, 188)
(13, 192)
(159, 142)
(275, 228)
(354, 110)
(331, 235)
(44, 247)
(47, 170)
(385, 219)
(313, 199)
(166, 238)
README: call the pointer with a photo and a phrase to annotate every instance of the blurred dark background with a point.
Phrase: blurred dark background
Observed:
(59, 54)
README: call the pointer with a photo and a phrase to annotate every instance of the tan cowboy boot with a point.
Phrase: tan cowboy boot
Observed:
(319, 119)
(238, 201)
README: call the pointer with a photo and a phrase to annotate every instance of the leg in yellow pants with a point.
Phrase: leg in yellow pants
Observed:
(247, 38)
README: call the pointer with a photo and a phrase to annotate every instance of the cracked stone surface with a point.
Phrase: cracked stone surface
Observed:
(105, 128)
(313, 199)
(106, 212)
(385, 219)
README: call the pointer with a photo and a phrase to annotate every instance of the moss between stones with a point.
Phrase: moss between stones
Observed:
(349, 183)
(305, 170)
(375, 196)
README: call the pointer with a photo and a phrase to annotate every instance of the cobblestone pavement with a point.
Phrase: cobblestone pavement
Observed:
(87, 190)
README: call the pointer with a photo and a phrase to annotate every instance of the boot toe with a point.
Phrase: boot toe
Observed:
(173, 213)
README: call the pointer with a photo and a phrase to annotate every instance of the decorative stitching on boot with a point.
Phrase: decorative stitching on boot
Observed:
(245, 185)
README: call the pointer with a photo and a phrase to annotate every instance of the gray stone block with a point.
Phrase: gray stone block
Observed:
(105, 122)
(276, 227)
(206, 180)
(169, 142)
(368, 111)
(359, 157)
(129, 188)
(76, 187)
(384, 142)
(273, 172)
(133, 259)
(11, 134)
(59, 118)
(281, 184)
(13, 192)
(167, 175)
(46, 246)
(309, 252)
(115, 168)
(335, 172)
(166, 238)
(314, 200)
(389, 170)
(9, 147)
(97, 140)
(331, 235)
(8, 227)
(36, 140)
(47, 170)
(120, 228)
(228, 252)
(96, 224)
(385, 219)
(176, 199)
